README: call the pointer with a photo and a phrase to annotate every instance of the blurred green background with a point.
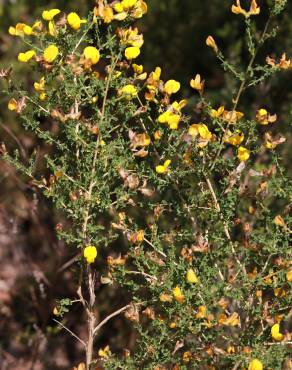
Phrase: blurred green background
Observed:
(31, 258)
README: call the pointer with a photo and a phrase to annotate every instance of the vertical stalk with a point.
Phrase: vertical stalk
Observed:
(89, 307)
(90, 318)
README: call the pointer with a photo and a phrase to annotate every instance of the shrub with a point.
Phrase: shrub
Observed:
(189, 214)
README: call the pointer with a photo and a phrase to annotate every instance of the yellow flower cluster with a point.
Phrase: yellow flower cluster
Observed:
(173, 114)
(130, 37)
(283, 63)
(128, 91)
(201, 131)
(120, 10)
(22, 29)
(235, 138)
(264, 117)
(49, 15)
(152, 84)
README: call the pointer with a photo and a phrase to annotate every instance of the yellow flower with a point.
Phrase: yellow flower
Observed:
(118, 7)
(156, 74)
(108, 14)
(17, 30)
(139, 9)
(92, 54)
(164, 297)
(235, 138)
(255, 364)
(25, 57)
(254, 9)
(264, 117)
(48, 15)
(178, 106)
(172, 325)
(12, 104)
(289, 276)
(197, 84)
(200, 129)
(171, 87)
(163, 168)
(243, 154)
(27, 30)
(178, 295)
(74, 21)
(211, 43)
(52, 29)
(129, 91)
(40, 86)
(130, 36)
(216, 113)
(132, 52)
(232, 320)
(56, 311)
(104, 352)
(187, 356)
(172, 119)
(43, 96)
(201, 314)
(51, 53)
(127, 4)
(157, 135)
(191, 277)
(90, 253)
(204, 132)
(275, 332)
(137, 68)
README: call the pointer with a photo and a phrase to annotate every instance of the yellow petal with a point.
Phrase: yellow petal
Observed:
(243, 154)
(51, 53)
(12, 104)
(48, 15)
(191, 277)
(132, 52)
(91, 53)
(171, 87)
(255, 364)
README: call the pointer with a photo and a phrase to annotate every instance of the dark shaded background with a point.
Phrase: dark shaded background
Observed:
(32, 270)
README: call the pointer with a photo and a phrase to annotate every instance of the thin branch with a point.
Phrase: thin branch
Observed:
(71, 332)
(218, 208)
(14, 137)
(147, 276)
(82, 37)
(240, 91)
(278, 343)
(104, 321)
(156, 250)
